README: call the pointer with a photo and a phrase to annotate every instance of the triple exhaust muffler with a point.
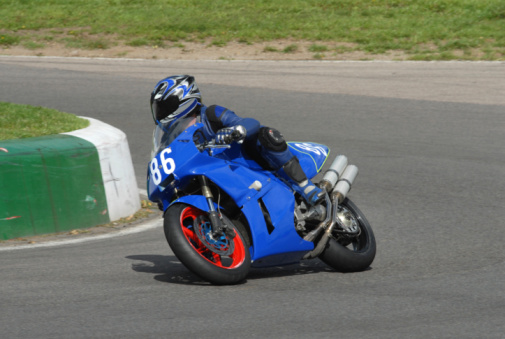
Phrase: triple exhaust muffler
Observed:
(338, 180)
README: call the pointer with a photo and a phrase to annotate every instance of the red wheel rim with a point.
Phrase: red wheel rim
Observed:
(188, 216)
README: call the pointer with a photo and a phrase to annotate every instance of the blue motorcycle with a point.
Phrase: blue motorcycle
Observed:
(224, 213)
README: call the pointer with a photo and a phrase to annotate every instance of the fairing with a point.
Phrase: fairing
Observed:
(312, 156)
(178, 161)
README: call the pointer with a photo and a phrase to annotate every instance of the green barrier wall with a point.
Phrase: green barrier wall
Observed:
(49, 184)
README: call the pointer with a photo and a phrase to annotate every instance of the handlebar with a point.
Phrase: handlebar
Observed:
(210, 145)
(237, 135)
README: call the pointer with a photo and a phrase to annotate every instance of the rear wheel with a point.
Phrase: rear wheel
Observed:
(347, 252)
(221, 260)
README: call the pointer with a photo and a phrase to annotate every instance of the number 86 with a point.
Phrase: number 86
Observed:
(167, 164)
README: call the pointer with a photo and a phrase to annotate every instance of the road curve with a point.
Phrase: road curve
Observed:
(428, 139)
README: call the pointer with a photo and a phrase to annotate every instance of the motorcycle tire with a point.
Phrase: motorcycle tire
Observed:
(351, 253)
(229, 268)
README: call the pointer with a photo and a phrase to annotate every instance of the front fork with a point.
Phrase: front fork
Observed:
(217, 223)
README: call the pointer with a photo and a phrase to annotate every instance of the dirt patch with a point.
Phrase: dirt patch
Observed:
(79, 42)
(286, 49)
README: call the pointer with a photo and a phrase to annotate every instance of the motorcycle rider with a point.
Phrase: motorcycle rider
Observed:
(177, 97)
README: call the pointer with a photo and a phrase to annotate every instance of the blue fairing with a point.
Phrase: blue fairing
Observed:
(311, 155)
(174, 167)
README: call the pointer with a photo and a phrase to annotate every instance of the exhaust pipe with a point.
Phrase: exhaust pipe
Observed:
(342, 187)
(344, 183)
(331, 175)
(315, 233)
(321, 244)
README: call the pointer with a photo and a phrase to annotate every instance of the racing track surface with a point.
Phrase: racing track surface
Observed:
(428, 139)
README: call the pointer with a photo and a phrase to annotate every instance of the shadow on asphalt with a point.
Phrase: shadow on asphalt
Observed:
(169, 269)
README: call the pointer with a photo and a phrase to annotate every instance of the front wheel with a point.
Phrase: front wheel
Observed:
(219, 261)
(346, 252)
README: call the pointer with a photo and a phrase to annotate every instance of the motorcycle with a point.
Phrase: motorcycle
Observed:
(224, 213)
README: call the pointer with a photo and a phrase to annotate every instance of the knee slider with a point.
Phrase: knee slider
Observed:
(272, 139)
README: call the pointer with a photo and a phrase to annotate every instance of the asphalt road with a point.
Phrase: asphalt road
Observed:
(429, 141)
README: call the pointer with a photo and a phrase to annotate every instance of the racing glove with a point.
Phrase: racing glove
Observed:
(229, 134)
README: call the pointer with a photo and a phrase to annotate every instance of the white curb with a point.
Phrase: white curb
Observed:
(116, 165)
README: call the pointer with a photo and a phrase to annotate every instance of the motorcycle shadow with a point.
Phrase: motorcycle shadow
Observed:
(168, 269)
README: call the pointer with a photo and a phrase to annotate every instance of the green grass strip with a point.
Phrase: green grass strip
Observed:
(416, 26)
(23, 121)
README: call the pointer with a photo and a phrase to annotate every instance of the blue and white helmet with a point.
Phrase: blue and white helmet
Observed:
(174, 97)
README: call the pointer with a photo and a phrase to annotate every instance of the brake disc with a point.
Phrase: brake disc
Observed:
(220, 245)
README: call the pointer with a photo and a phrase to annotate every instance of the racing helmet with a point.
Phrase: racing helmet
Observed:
(173, 98)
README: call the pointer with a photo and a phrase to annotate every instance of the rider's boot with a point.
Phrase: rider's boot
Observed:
(293, 173)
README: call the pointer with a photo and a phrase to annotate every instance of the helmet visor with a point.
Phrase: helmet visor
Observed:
(163, 109)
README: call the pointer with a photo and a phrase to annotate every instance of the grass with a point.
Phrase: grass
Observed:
(290, 49)
(23, 121)
(33, 45)
(318, 48)
(472, 29)
(270, 49)
(8, 40)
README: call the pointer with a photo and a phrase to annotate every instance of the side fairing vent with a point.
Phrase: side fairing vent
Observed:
(266, 215)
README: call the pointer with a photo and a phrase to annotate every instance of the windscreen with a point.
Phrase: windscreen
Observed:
(164, 134)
